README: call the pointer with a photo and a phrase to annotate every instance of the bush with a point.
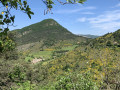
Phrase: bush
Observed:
(76, 82)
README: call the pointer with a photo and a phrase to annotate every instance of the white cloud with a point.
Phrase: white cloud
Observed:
(107, 26)
(109, 20)
(108, 16)
(68, 11)
(82, 19)
(118, 5)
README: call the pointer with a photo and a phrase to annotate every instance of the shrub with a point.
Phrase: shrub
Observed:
(76, 82)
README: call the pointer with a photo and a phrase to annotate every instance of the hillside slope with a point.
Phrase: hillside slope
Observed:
(110, 39)
(47, 29)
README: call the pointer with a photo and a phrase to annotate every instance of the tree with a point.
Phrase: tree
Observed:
(7, 19)
(108, 43)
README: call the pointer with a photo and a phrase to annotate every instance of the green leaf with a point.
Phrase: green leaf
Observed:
(12, 18)
(25, 3)
(49, 6)
(8, 21)
(1, 16)
(1, 23)
(4, 20)
(6, 29)
(6, 15)
(28, 9)
(30, 12)
(29, 15)
(0, 29)
(81, 1)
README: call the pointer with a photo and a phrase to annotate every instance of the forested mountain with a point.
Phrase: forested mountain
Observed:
(47, 29)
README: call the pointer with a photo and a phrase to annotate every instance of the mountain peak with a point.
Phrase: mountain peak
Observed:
(49, 22)
(50, 19)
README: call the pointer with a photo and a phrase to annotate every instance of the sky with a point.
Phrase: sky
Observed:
(96, 17)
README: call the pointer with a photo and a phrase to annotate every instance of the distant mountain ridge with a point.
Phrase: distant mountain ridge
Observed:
(88, 35)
